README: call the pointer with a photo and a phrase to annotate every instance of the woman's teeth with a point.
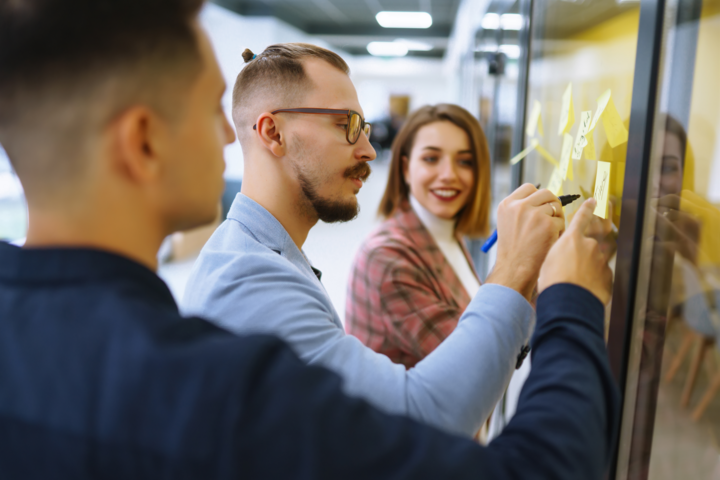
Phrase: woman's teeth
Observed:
(445, 193)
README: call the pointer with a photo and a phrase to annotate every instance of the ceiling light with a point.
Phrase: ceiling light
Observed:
(508, 21)
(511, 51)
(387, 49)
(414, 45)
(404, 19)
(511, 21)
(491, 21)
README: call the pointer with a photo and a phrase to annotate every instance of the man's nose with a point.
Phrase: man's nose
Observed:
(364, 150)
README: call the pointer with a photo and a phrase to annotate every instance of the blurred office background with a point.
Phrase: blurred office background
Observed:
(499, 59)
(453, 52)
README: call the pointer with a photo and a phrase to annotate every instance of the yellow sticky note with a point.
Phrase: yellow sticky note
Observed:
(535, 120)
(570, 169)
(615, 129)
(556, 181)
(580, 139)
(567, 112)
(524, 153)
(565, 161)
(547, 156)
(602, 187)
(602, 102)
(589, 150)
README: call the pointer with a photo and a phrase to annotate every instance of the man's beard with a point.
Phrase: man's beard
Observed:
(333, 211)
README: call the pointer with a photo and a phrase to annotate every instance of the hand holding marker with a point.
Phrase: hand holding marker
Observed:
(564, 200)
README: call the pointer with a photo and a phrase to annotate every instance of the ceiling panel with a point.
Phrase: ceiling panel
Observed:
(334, 19)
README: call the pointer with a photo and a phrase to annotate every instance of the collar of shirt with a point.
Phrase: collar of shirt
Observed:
(266, 229)
(439, 228)
(78, 265)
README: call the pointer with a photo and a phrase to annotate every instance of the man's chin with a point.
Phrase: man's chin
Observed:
(337, 212)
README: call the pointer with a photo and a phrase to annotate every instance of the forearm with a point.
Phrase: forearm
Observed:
(569, 405)
(457, 385)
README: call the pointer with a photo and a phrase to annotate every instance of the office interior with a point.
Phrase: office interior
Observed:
(637, 80)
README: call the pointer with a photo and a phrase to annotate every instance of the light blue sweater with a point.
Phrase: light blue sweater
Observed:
(251, 278)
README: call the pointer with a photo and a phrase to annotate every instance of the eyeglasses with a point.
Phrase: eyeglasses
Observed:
(355, 125)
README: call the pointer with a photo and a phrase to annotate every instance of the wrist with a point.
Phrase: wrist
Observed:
(517, 277)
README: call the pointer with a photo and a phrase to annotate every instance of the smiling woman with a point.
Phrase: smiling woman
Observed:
(437, 191)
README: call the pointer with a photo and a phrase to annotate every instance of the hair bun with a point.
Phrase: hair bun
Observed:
(248, 55)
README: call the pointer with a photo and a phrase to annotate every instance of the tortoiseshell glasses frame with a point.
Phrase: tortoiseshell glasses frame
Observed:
(356, 123)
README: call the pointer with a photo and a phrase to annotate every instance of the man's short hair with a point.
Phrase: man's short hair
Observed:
(278, 74)
(68, 67)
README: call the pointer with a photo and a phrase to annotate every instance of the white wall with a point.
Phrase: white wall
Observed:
(378, 78)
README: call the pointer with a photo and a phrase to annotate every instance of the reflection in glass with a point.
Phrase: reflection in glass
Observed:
(675, 429)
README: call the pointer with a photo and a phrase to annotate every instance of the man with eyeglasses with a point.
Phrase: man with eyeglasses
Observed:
(306, 152)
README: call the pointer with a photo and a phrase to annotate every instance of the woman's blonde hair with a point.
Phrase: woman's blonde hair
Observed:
(474, 217)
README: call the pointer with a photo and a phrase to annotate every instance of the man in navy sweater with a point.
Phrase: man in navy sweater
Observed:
(110, 113)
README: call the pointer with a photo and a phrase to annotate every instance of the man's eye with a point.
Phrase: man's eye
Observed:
(343, 126)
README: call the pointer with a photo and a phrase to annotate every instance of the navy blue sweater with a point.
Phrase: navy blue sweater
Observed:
(100, 377)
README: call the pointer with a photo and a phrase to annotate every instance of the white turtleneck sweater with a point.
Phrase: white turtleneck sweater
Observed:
(443, 232)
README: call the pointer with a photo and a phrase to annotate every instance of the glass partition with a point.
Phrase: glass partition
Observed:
(580, 78)
(671, 423)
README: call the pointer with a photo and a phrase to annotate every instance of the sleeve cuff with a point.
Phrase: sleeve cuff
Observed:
(513, 305)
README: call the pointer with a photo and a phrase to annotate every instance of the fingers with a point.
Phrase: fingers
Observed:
(583, 217)
(559, 224)
(669, 201)
(558, 210)
(540, 197)
(523, 191)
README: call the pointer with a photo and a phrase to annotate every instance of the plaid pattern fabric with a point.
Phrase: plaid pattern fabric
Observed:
(403, 297)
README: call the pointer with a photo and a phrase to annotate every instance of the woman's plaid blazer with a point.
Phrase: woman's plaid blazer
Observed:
(403, 297)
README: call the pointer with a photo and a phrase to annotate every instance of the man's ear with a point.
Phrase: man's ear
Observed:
(268, 130)
(140, 137)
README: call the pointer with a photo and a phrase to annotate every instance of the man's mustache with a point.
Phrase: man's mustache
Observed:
(360, 171)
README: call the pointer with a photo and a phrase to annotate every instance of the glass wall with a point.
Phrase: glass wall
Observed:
(671, 423)
(579, 94)
(590, 65)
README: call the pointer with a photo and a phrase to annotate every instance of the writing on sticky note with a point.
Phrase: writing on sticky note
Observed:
(602, 187)
(535, 120)
(567, 112)
(580, 139)
(524, 153)
(555, 183)
(566, 151)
